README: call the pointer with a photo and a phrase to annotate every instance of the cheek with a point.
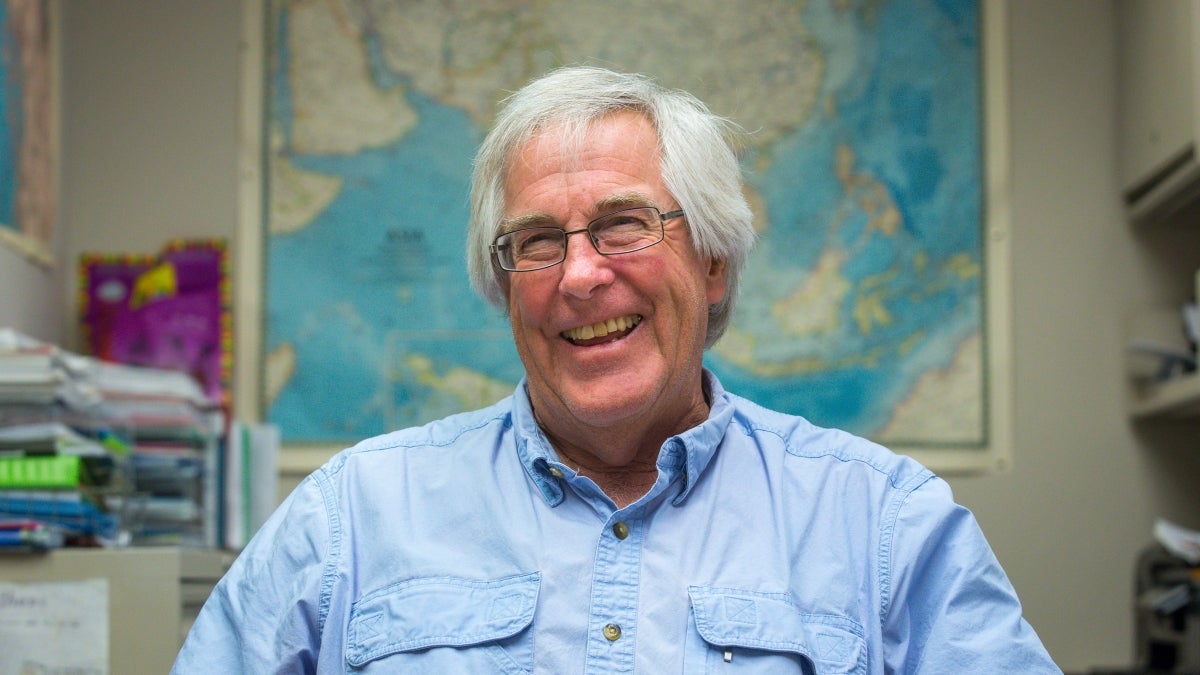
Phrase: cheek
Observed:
(526, 306)
(692, 307)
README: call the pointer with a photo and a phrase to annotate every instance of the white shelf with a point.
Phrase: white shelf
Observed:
(1175, 398)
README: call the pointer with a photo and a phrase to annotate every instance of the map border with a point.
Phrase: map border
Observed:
(299, 459)
(37, 249)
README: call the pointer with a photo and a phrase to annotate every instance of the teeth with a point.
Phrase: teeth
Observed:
(602, 328)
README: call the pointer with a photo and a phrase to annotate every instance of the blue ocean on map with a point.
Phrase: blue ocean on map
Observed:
(400, 244)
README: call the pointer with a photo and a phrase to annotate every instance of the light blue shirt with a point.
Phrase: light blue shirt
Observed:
(767, 545)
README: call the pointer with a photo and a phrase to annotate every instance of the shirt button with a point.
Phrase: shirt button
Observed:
(612, 632)
(556, 472)
(620, 529)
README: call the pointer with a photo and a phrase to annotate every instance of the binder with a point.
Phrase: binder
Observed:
(54, 471)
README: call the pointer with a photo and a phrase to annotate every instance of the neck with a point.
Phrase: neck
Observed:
(623, 484)
(622, 459)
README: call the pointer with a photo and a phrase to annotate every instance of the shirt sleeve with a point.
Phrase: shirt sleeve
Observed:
(951, 607)
(265, 615)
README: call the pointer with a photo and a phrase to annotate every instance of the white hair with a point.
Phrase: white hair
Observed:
(699, 167)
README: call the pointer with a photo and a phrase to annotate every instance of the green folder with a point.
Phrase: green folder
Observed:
(53, 471)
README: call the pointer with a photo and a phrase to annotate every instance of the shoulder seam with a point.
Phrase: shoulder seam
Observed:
(329, 575)
(895, 479)
(887, 534)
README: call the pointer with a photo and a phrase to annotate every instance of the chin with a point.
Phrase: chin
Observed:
(608, 405)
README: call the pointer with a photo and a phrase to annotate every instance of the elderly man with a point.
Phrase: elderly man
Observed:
(621, 511)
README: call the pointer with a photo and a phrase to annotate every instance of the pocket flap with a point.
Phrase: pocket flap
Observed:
(439, 612)
(769, 621)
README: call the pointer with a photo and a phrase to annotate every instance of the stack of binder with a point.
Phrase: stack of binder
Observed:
(67, 487)
(100, 453)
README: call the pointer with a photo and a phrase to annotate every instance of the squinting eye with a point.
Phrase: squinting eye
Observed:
(625, 220)
(533, 239)
(620, 222)
(536, 242)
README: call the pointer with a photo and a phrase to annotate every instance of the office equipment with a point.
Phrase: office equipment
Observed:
(1167, 612)
(154, 594)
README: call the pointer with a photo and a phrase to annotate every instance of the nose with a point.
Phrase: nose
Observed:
(583, 269)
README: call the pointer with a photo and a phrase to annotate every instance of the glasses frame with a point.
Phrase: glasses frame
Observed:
(662, 220)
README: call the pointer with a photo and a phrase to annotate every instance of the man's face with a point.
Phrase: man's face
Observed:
(656, 298)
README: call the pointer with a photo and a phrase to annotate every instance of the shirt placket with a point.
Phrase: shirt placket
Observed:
(612, 623)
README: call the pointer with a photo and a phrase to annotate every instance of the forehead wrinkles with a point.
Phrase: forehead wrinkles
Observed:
(567, 142)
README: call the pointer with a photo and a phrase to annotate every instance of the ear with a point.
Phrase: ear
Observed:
(715, 281)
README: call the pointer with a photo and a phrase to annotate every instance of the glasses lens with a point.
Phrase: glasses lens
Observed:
(530, 249)
(627, 231)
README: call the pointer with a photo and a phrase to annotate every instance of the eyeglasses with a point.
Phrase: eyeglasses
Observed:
(624, 231)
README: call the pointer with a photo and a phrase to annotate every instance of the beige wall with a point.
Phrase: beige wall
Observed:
(150, 153)
(149, 135)
(1068, 521)
(31, 296)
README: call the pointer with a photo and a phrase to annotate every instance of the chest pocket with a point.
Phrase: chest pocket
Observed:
(747, 632)
(445, 624)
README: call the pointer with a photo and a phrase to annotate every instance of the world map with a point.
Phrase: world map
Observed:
(863, 303)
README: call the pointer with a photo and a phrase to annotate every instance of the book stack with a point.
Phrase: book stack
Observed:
(95, 453)
(251, 469)
(58, 486)
(29, 371)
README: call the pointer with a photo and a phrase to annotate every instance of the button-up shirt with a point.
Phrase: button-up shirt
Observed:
(767, 545)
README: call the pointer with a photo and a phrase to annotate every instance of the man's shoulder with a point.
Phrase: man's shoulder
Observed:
(803, 440)
(460, 429)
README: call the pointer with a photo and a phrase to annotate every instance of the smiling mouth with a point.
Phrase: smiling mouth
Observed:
(602, 331)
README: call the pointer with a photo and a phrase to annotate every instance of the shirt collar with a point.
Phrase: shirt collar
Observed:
(534, 449)
(699, 444)
(687, 454)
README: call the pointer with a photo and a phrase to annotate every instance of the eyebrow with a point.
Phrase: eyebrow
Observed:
(624, 200)
(526, 220)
